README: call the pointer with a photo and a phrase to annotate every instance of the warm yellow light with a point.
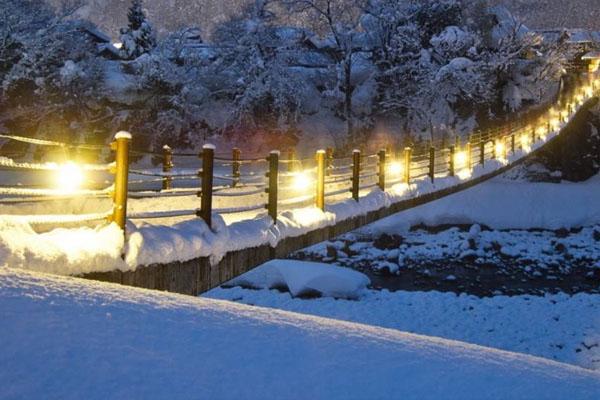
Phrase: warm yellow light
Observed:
(460, 160)
(500, 149)
(564, 115)
(541, 132)
(301, 181)
(555, 123)
(589, 91)
(526, 143)
(396, 168)
(69, 177)
(579, 98)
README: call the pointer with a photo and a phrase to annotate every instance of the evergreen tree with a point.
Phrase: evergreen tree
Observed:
(138, 38)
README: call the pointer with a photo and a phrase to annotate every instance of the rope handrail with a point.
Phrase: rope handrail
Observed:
(56, 219)
(234, 210)
(337, 192)
(44, 142)
(233, 194)
(12, 164)
(338, 179)
(6, 191)
(161, 214)
(173, 193)
(162, 174)
(296, 200)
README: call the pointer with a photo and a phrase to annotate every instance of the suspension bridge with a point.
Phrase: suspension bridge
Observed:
(299, 202)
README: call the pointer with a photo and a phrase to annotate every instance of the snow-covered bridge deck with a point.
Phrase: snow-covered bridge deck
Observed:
(306, 202)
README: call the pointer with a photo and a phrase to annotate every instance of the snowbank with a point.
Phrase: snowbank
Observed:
(304, 278)
(67, 338)
(507, 204)
(554, 326)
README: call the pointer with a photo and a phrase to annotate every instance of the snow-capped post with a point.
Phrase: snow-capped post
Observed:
(329, 161)
(321, 171)
(236, 155)
(381, 182)
(451, 162)
(431, 163)
(167, 166)
(355, 173)
(407, 157)
(121, 146)
(206, 173)
(273, 176)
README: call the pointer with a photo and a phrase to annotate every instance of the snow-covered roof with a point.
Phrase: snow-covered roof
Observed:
(576, 36)
(592, 55)
(110, 50)
(98, 34)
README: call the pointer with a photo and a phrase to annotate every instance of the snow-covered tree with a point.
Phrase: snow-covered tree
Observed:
(138, 38)
(342, 40)
(255, 72)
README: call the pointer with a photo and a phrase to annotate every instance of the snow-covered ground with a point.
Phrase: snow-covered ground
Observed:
(560, 327)
(64, 338)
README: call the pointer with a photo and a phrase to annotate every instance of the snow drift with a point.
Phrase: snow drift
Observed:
(67, 338)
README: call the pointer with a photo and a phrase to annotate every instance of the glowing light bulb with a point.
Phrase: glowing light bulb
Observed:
(541, 132)
(396, 168)
(500, 149)
(69, 177)
(301, 181)
(460, 159)
(526, 143)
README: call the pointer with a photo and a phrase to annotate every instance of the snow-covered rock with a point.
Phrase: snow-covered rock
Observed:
(305, 278)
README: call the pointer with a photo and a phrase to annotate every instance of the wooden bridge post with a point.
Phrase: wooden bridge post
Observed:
(451, 165)
(407, 158)
(321, 172)
(512, 144)
(236, 155)
(533, 135)
(468, 154)
(291, 155)
(481, 151)
(329, 160)
(382, 165)
(432, 163)
(206, 173)
(273, 187)
(121, 145)
(167, 166)
(494, 155)
(355, 174)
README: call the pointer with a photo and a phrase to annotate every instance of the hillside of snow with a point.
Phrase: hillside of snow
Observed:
(64, 338)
